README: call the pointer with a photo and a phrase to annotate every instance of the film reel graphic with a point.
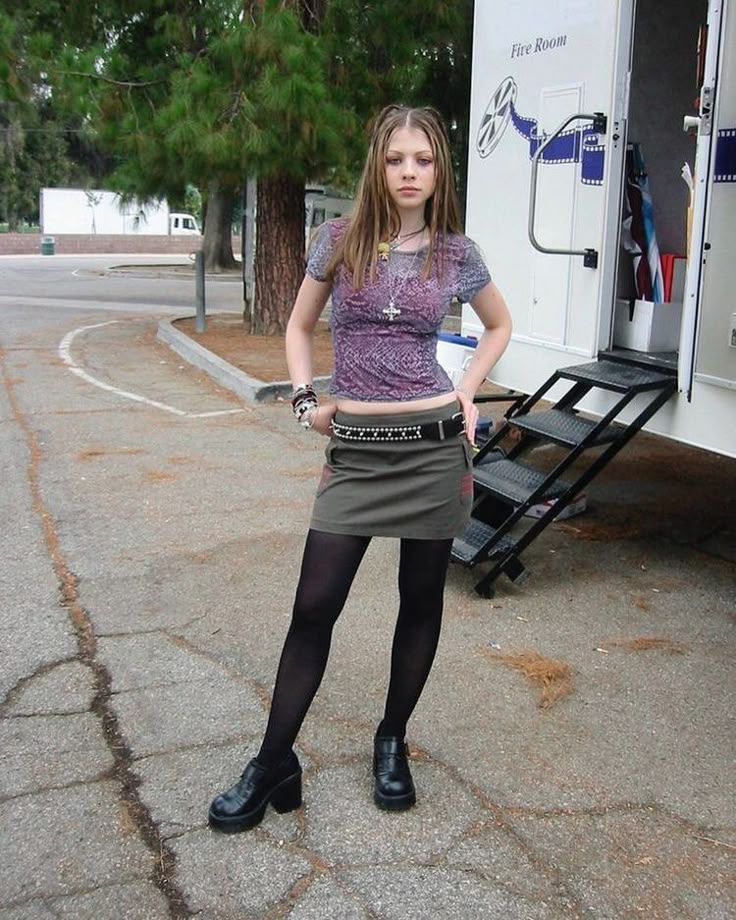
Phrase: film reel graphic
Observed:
(496, 117)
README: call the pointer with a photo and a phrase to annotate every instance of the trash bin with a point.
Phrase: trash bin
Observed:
(48, 245)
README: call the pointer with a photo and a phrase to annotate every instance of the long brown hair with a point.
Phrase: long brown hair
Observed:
(375, 218)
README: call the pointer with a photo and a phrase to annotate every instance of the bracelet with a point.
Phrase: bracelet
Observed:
(305, 404)
(309, 417)
(302, 391)
(302, 397)
(304, 410)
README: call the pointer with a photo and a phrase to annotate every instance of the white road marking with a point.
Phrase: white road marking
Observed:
(66, 357)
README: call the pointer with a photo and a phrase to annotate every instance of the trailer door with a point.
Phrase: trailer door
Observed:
(708, 339)
(537, 65)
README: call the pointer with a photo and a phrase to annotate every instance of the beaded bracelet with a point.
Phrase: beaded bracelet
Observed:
(305, 407)
(304, 389)
(303, 402)
(309, 417)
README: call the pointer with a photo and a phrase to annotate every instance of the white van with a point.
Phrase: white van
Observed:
(183, 225)
(559, 90)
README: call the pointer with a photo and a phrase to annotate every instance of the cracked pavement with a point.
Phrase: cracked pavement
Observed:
(148, 565)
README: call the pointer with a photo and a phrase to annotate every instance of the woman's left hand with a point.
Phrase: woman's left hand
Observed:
(322, 422)
(470, 411)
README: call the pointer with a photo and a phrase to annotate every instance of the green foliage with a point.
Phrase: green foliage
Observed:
(39, 145)
(181, 92)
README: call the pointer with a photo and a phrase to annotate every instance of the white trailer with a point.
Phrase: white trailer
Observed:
(582, 79)
(94, 211)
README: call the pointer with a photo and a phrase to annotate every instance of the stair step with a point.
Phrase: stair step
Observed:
(661, 362)
(515, 482)
(616, 376)
(562, 427)
(470, 548)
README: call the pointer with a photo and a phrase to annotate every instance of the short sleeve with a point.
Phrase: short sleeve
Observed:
(321, 249)
(473, 275)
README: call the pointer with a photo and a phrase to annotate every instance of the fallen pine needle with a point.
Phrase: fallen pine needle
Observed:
(645, 643)
(719, 843)
(554, 677)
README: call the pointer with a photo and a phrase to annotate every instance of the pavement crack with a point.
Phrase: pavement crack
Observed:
(75, 784)
(163, 873)
(129, 633)
(183, 643)
(68, 893)
(499, 815)
(594, 811)
(355, 895)
(213, 745)
(292, 897)
(46, 712)
(16, 690)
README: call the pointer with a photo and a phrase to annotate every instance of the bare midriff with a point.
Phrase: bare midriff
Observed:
(358, 407)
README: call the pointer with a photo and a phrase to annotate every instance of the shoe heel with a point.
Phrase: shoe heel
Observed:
(288, 796)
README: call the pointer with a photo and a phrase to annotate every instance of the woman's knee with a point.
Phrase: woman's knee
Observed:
(316, 608)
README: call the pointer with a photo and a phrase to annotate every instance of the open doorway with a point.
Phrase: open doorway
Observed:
(665, 82)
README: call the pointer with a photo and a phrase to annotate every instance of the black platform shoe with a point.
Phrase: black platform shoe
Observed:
(394, 787)
(244, 805)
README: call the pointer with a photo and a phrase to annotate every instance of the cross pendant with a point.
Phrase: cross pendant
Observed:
(391, 311)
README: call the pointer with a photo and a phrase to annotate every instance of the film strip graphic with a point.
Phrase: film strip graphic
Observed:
(725, 167)
(578, 145)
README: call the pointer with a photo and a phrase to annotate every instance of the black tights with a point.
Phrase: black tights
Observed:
(328, 568)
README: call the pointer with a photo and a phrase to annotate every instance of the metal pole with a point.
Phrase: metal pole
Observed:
(199, 322)
(249, 243)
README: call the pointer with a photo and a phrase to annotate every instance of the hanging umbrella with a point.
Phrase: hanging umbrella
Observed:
(638, 234)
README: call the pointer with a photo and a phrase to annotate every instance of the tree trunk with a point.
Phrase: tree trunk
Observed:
(13, 146)
(217, 243)
(279, 252)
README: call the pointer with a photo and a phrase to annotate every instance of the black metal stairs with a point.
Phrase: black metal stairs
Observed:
(506, 488)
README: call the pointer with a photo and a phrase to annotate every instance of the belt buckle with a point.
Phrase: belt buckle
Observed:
(441, 424)
(460, 415)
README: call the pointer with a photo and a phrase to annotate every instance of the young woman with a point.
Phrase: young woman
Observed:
(399, 455)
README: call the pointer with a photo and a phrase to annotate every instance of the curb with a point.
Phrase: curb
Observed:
(248, 388)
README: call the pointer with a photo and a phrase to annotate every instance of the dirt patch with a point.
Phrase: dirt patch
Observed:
(552, 676)
(91, 453)
(642, 603)
(604, 531)
(259, 356)
(647, 643)
(158, 476)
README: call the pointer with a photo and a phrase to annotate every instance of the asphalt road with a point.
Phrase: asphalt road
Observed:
(92, 282)
(151, 529)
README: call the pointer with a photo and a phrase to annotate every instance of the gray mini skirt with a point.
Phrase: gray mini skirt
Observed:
(418, 489)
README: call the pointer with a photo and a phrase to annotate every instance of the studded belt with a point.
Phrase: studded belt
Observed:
(432, 431)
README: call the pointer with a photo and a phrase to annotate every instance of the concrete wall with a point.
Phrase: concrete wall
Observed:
(70, 244)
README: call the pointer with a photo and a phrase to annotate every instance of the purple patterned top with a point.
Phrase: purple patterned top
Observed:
(382, 356)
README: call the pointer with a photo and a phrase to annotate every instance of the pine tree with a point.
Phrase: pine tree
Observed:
(183, 92)
(39, 145)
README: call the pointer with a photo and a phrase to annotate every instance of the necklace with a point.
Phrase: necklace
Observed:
(392, 311)
(400, 238)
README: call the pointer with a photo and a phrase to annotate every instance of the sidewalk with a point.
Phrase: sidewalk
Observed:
(612, 780)
(181, 537)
